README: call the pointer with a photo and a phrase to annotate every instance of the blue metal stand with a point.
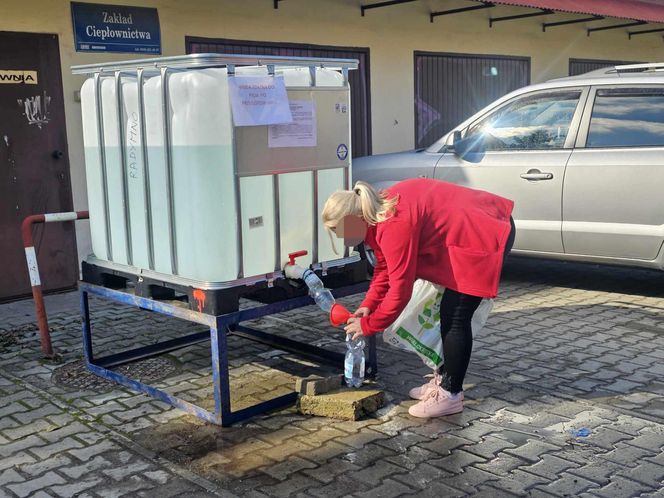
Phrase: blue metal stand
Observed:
(220, 327)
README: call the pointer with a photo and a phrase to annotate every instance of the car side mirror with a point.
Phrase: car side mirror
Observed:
(456, 138)
(471, 148)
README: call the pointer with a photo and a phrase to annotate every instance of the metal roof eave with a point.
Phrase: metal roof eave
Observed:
(639, 11)
(386, 3)
(634, 10)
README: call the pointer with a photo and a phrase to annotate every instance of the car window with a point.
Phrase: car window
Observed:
(539, 121)
(627, 117)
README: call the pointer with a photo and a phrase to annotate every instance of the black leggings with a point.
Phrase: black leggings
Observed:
(456, 312)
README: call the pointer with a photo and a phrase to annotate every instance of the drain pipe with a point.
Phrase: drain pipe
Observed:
(33, 269)
(292, 270)
(295, 271)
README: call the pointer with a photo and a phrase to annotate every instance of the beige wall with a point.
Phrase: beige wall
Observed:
(392, 34)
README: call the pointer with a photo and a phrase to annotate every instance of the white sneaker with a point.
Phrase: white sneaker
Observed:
(421, 391)
(437, 403)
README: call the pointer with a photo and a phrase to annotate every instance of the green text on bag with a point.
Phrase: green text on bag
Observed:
(418, 346)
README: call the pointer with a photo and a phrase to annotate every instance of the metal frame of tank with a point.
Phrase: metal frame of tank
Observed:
(220, 327)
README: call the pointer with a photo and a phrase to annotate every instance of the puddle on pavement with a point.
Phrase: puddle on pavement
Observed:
(219, 452)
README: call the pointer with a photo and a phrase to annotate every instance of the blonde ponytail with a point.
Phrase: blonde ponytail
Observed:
(375, 206)
(363, 200)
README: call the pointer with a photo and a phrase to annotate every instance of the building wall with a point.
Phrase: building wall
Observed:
(392, 35)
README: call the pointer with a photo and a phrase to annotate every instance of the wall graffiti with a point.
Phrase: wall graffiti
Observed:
(36, 109)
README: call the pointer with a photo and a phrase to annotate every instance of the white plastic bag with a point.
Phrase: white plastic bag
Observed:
(418, 326)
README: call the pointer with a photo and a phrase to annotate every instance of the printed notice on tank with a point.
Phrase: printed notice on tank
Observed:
(259, 100)
(301, 132)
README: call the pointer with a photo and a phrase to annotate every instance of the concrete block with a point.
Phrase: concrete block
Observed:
(315, 385)
(334, 382)
(345, 404)
(311, 385)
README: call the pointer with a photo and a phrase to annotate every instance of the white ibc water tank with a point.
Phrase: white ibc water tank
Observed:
(187, 196)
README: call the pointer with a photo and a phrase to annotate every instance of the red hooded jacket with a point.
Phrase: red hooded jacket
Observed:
(441, 232)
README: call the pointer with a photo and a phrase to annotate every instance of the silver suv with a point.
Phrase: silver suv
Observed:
(582, 157)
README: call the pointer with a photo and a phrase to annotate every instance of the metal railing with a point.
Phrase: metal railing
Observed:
(201, 61)
(644, 67)
(33, 269)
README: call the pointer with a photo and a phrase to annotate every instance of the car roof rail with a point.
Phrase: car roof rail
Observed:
(644, 67)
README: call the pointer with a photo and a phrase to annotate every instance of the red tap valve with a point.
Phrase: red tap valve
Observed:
(293, 255)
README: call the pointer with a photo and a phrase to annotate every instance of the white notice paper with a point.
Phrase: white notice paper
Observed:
(259, 100)
(301, 132)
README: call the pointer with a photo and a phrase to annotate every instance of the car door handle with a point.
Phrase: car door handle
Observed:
(535, 174)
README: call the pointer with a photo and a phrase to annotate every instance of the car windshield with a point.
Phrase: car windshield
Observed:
(531, 122)
(538, 122)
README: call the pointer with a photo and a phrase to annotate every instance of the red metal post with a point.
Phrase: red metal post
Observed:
(33, 269)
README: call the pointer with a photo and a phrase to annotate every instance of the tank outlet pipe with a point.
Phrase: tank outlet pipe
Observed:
(293, 270)
(321, 296)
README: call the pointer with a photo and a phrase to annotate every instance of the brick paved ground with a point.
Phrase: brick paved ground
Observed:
(567, 347)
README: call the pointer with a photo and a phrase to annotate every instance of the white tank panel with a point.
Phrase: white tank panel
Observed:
(114, 181)
(203, 201)
(298, 77)
(258, 230)
(203, 175)
(329, 78)
(93, 170)
(159, 206)
(301, 76)
(296, 215)
(135, 168)
(329, 181)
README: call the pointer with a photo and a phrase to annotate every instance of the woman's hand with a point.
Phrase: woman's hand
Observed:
(354, 327)
(362, 312)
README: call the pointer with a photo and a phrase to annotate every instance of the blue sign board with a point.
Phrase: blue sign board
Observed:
(115, 28)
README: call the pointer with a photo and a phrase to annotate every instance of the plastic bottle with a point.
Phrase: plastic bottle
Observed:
(318, 292)
(354, 362)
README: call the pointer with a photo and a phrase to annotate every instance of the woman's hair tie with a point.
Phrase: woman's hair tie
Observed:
(357, 191)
